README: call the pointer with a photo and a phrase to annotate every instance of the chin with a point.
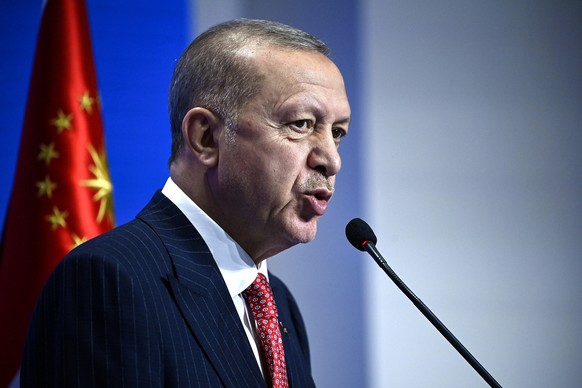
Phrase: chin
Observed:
(304, 232)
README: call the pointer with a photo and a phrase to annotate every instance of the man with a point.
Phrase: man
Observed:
(257, 112)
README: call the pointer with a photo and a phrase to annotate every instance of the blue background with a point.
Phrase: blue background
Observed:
(135, 44)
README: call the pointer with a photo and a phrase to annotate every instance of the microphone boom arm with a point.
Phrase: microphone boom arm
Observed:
(370, 247)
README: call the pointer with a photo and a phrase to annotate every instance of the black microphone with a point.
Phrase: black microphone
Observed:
(361, 236)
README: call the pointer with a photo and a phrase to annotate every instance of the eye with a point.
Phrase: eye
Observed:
(303, 125)
(338, 133)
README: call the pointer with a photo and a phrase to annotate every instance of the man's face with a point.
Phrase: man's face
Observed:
(276, 176)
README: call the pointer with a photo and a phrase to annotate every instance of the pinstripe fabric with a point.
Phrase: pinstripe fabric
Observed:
(145, 305)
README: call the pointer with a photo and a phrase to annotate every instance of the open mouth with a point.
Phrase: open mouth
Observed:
(318, 200)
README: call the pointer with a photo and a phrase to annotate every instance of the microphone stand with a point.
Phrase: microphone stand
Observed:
(370, 247)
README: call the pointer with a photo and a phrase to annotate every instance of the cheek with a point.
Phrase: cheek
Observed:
(288, 170)
(270, 167)
(292, 156)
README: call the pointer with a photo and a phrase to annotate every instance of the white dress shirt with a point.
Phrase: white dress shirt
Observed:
(235, 265)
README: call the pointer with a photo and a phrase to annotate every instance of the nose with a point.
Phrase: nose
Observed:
(324, 156)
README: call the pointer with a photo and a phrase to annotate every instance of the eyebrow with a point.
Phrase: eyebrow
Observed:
(344, 121)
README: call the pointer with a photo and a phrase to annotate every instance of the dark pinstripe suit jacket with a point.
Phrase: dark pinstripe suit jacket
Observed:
(144, 305)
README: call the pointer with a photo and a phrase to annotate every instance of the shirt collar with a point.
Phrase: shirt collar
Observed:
(236, 266)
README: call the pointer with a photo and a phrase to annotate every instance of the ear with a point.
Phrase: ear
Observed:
(200, 129)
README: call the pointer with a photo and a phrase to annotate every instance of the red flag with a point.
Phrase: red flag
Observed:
(62, 191)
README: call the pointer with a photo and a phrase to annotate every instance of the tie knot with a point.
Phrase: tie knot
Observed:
(259, 296)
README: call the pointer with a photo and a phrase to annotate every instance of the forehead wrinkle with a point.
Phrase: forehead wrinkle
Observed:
(301, 88)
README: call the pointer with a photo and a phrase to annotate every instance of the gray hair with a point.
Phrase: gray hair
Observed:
(212, 74)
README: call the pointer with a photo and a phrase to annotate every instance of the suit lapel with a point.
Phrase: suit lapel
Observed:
(284, 327)
(294, 337)
(219, 333)
(202, 296)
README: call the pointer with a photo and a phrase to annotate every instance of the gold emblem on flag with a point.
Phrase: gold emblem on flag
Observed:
(101, 183)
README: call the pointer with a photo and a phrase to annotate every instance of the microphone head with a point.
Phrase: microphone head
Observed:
(359, 233)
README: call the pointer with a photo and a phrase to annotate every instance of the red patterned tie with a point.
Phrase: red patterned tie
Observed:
(259, 296)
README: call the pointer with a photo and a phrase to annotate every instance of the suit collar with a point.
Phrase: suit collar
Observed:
(236, 267)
